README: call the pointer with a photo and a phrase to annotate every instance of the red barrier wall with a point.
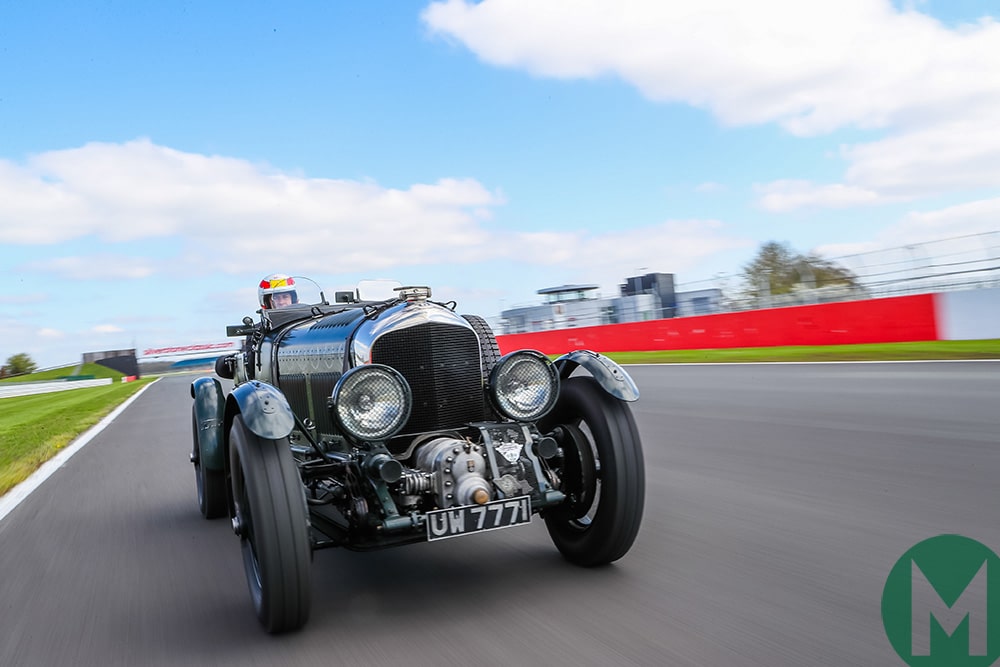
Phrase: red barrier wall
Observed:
(890, 320)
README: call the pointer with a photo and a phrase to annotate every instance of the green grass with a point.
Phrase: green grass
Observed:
(946, 349)
(98, 371)
(34, 428)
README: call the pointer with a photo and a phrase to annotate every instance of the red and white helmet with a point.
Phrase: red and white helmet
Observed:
(276, 283)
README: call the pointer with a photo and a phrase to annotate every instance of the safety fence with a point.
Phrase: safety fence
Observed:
(953, 264)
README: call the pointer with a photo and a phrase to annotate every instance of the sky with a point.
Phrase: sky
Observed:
(158, 159)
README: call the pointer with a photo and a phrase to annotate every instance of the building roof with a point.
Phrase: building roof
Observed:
(566, 288)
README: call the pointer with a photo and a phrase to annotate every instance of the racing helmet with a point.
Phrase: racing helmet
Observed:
(276, 283)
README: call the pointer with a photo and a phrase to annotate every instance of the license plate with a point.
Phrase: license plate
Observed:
(457, 521)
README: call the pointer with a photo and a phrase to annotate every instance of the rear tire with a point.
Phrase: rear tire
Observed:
(602, 472)
(211, 483)
(273, 524)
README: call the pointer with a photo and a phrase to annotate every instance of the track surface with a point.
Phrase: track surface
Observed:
(778, 499)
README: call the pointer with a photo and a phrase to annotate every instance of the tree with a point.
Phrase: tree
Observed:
(778, 269)
(20, 364)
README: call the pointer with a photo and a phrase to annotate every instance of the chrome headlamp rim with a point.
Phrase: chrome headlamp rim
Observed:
(350, 392)
(530, 405)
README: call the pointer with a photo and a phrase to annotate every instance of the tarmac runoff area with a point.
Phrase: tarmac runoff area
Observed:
(29, 388)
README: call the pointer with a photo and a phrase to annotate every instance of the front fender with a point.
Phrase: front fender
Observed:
(210, 413)
(265, 410)
(612, 377)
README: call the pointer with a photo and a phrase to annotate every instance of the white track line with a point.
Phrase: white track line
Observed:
(13, 498)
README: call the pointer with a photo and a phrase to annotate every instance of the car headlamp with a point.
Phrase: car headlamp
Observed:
(371, 402)
(524, 385)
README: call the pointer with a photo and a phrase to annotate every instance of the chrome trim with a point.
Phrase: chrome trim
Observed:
(395, 318)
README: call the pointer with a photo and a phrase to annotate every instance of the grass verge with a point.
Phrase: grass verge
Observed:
(942, 349)
(97, 370)
(34, 428)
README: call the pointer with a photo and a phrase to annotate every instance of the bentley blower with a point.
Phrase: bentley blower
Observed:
(369, 423)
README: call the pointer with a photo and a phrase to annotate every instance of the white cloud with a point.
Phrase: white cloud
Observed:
(138, 190)
(948, 155)
(976, 217)
(599, 258)
(95, 267)
(788, 195)
(953, 155)
(107, 329)
(969, 225)
(50, 333)
(230, 212)
(231, 215)
(810, 67)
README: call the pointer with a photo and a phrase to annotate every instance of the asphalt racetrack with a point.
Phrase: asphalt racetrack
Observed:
(778, 499)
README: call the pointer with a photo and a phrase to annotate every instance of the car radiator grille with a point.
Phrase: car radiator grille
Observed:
(441, 364)
(298, 389)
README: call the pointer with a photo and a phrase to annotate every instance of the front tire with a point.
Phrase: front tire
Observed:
(271, 519)
(211, 483)
(488, 346)
(602, 472)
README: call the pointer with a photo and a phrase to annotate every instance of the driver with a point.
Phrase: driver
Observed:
(277, 291)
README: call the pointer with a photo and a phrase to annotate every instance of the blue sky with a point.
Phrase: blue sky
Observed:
(158, 159)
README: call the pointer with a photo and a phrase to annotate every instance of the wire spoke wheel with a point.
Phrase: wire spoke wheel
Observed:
(271, 520)
(602, 474)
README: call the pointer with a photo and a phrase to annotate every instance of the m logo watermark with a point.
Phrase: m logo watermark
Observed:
(941, 604)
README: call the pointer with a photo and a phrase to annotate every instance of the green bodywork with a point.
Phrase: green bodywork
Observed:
(209, 411)
(265, 412)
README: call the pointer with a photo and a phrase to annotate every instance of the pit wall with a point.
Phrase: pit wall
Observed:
(971, 315)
